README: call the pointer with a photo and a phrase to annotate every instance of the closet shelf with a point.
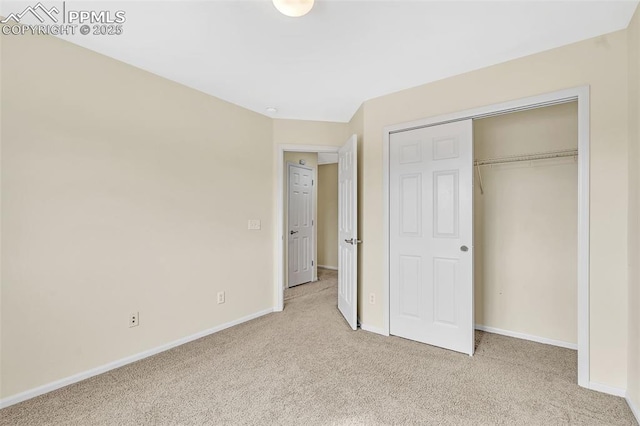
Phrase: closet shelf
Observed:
(528, 157)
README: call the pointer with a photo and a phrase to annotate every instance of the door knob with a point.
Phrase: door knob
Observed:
(464, 248)
(353, 241)
(293, 232)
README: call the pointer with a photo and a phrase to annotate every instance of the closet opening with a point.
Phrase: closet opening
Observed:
(526, 225)
(486, 228)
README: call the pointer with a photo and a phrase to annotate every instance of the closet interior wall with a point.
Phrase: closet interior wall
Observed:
(525, 234)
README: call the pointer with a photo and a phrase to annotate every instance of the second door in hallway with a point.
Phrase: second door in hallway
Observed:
(300, 230)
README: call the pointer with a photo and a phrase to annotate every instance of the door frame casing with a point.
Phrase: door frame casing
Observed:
(579, 94)
(279, 271)
(314, 236)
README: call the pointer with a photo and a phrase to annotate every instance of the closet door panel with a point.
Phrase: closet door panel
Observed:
(431, 231)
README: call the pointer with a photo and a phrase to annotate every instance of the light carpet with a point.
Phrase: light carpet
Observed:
(306, 366)
(326, 279)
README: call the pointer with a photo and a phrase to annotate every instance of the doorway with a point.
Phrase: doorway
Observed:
(579, 95)
(347, 242)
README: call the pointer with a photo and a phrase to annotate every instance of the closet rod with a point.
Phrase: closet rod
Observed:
(528, 157)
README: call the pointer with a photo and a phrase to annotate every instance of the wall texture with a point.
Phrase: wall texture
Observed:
(633, 378)
(303, 132)
(121, 192)
(311, 160)
(525, 234)
(328, 215)
(600, 63)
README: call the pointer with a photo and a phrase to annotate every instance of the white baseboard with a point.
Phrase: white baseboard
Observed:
(599, 387)
(32, 393)
(634, 408)
(332, 268)
(372, 329)
(524, 336)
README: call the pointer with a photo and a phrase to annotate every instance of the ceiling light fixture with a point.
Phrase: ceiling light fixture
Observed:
(293, 8)
(271, 110)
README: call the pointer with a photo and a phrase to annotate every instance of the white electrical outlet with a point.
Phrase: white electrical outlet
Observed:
(254, 224)
(134, 319)
(372, 298)
(220, 297)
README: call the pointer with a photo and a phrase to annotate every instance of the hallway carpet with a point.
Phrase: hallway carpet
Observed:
(326, 279)
(305, 366)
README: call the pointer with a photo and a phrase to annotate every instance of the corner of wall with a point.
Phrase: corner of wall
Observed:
(633, 370)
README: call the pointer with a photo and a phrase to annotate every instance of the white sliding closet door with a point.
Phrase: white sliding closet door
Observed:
(431, 233)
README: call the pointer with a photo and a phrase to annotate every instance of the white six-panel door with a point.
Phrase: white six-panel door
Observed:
(431, 233)
(348, 231)
(300, 230)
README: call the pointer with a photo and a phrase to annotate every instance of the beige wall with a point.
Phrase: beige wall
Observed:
(311, 161)
(328, 215)
(600, 63)
(633, 381)
(525, 234)
(303, 132)
(121, 192)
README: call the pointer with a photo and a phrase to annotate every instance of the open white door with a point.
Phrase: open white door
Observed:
(347, 231)
(431, 235)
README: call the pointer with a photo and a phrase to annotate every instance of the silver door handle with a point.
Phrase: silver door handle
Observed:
(352, 241)
(464, 248)
(293, 232)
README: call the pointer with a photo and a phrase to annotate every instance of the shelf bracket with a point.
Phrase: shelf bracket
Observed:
(480, 179)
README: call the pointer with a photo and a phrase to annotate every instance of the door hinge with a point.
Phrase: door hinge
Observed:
(312, 263)
(311, 222)
(311, 182)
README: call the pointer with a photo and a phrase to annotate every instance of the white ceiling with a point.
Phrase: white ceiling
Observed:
(324, 65)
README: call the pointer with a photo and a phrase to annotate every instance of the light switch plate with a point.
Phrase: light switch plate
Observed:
(254, 224)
